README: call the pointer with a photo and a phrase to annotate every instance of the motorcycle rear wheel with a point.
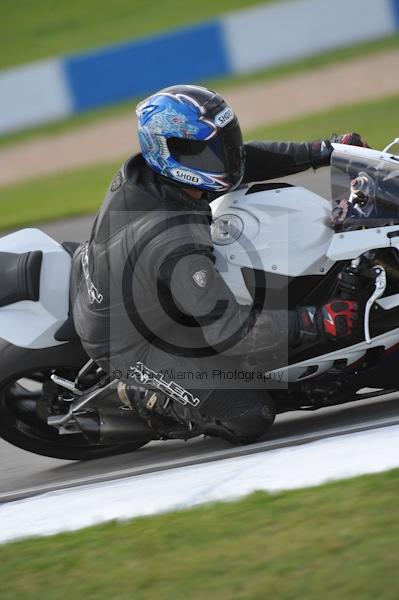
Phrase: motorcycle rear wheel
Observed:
(20, 423)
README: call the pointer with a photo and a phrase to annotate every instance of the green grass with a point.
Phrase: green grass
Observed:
(334, 542)
(81, 191)
(31, 30)
(377, 121)
(63, 195)
(223, 84)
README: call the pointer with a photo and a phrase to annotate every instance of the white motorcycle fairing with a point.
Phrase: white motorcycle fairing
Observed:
(287, 231)
(283, 231)
(31, 324)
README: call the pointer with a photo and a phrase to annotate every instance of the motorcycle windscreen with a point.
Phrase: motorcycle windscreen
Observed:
(365, 189)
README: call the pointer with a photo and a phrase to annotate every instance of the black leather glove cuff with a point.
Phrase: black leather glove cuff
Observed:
(320, 153)
(304, 327)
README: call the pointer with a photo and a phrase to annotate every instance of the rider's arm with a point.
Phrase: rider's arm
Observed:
(267, 160)
(198, 290)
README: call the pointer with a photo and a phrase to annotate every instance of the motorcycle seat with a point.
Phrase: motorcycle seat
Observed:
(20, 276)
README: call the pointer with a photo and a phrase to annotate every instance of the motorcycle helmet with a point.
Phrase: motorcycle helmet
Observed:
(190, 135)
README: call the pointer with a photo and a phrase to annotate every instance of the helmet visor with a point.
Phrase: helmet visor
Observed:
(222, 154)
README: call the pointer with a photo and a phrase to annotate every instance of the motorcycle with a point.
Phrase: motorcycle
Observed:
(272, 239)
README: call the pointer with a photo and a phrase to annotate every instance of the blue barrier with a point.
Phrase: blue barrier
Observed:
(395, 9)
(258, 37)
(121, 72)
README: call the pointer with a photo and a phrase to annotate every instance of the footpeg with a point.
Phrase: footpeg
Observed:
(66, 384)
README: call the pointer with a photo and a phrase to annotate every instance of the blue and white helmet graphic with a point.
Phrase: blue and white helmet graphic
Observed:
(190, 134)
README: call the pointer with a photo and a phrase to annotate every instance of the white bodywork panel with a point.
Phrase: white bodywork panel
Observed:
(31, 324)
(285, 232)
(326, 361)
(351, 244)
(389, 302)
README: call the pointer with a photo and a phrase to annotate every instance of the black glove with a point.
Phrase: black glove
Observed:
(321, 150)
(335, 320)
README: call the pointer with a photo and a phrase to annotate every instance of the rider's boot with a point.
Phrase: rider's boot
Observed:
(239, 416)
(167, 418)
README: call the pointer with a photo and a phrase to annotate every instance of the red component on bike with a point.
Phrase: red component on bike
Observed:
(339, 317)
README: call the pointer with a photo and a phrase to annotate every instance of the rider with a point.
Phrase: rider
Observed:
(146, 282)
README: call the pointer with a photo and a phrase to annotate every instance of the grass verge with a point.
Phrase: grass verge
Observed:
(81, 191)
(335, 542)
(34, 30)
(375, 120)
(223, 85)
(67, 194)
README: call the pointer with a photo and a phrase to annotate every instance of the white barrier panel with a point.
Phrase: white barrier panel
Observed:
(269, 35)
(33, 94)
(254, 38)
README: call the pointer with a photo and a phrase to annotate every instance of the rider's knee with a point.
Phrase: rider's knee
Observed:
(241, 416)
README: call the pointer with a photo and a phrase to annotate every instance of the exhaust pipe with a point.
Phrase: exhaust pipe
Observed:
(117, 426)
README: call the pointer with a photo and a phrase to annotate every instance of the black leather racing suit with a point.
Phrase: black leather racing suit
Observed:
(146, 291)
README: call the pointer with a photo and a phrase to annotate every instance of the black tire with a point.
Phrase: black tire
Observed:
(20, 425)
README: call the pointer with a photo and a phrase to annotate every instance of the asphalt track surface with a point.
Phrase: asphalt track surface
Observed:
(23, 474)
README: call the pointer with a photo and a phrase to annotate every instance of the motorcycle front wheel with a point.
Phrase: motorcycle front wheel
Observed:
(22, 375)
